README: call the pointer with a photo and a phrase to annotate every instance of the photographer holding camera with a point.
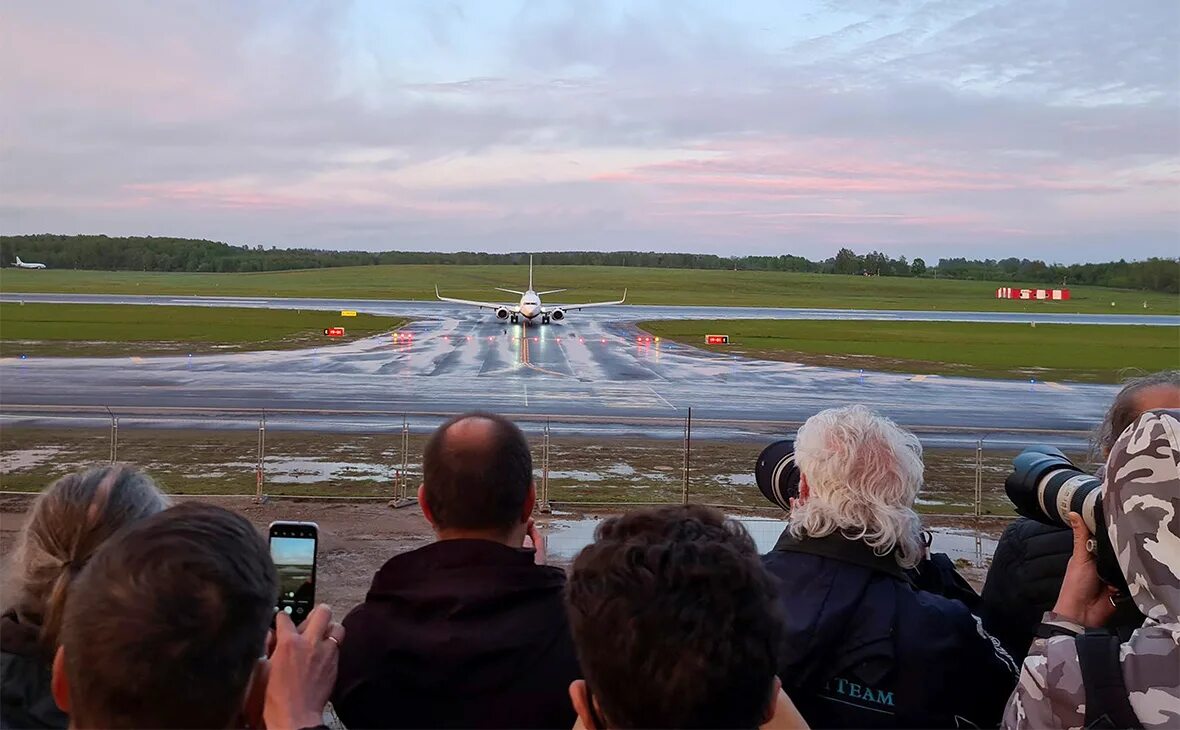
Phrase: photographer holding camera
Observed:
(866, 643)
(1030, 559)
(1126, 546)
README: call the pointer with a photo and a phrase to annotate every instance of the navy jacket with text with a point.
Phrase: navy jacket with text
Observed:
(865, 648)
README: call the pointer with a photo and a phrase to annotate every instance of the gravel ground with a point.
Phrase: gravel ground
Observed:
(356, 538)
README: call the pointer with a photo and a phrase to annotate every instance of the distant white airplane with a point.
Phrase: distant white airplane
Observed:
(22, 265)
(530, 306)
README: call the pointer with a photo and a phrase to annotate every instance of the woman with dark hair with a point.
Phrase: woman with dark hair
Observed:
(67, 523)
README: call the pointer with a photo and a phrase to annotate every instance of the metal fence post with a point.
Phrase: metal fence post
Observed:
(687, 455)
(259, 497)
(114, 435)
(545, 507)
(401, 485)
(405, 457)
(979, 477)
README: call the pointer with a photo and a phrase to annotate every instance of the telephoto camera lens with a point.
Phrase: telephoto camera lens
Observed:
(776, 473)
(1046, 486)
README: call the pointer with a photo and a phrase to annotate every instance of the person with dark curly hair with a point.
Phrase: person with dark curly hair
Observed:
(676, 624)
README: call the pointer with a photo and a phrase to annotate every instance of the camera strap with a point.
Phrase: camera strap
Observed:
(1107, 703)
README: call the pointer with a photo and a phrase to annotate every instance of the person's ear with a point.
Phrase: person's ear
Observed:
(581, 701)
(772, 706)
(804, 488)
(530, 502)
(254, 701)
(59, 685)
(425, 507)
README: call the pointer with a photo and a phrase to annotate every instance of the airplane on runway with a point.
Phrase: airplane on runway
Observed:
(530, 306)
(23, 265)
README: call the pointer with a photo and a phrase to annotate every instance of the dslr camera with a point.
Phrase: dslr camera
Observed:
(1046, 486)
(777, 474)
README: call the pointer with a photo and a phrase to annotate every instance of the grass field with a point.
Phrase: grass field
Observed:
(107, 329)
(645, 286)
(1096, 353)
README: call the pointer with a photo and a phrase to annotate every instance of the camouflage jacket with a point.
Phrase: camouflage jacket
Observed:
(1141, 500)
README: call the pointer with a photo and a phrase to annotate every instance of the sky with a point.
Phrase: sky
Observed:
(979, 128)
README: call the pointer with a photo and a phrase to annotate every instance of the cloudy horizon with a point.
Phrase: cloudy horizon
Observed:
(931, 128)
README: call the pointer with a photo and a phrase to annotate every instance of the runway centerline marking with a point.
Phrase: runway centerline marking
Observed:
(526, 394)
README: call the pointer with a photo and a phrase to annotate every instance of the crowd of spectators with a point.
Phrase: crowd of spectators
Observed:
(128, 613)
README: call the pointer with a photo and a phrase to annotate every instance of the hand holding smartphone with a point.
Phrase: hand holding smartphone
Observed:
(293, 547)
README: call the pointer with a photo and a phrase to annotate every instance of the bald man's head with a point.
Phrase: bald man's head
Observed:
(477, 474)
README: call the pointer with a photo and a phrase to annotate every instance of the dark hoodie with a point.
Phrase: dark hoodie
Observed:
(460, 633)
(25, 697)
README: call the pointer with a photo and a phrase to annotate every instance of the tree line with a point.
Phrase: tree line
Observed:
(185, 254)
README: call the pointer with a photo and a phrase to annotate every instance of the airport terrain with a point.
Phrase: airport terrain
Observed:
(1046, 351)
(85, 330)
(684, 287)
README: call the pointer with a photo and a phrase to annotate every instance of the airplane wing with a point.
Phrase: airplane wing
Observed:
(482, 305)
(568, 307)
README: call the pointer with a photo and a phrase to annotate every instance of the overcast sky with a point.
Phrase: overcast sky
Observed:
(954, 127)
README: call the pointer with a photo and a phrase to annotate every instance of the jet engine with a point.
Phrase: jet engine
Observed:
(502, 313)
(557, 315)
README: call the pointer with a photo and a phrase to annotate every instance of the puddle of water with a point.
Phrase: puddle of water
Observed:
(581, 476)
(738, 480)
(929, 502)
(27, 458)
(565, 538)
(282, 470)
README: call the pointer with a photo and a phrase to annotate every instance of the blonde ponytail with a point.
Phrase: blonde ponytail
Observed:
(66, 525)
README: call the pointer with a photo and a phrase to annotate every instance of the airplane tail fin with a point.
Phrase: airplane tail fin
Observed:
(18, 261)
(530, 272)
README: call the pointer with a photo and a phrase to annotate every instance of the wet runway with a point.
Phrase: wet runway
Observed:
(593, 365)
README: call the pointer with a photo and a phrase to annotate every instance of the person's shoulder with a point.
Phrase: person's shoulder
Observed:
(1024, 534)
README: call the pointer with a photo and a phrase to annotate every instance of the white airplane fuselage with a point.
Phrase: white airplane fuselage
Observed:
(27, 265)
(529, 306)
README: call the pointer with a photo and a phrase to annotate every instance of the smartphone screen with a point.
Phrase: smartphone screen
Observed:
(293, 549)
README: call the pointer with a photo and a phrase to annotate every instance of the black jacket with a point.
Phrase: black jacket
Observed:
(864, 648)
(26, 700)
(460, 633)
(1023, 581)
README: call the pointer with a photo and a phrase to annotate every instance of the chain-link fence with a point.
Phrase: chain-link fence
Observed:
(581, 462)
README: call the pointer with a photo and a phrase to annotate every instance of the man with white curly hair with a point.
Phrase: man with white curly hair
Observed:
(865, 646)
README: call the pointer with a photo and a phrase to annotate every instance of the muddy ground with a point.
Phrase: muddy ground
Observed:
(583, 472)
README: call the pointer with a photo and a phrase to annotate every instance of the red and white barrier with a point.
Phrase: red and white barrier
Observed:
(1054, 295)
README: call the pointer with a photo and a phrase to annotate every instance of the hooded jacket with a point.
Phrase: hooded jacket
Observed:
(864, 647)
(26, 700)
(459, 633)
(1141, 506)
(1023, 581)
